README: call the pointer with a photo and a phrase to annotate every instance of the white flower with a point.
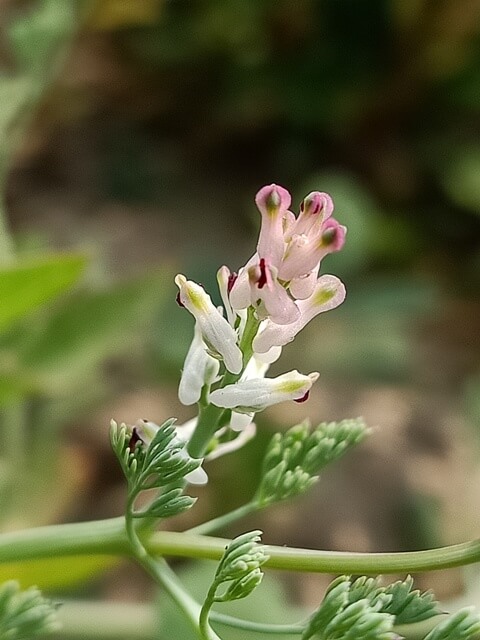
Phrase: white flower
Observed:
(219, 336)
(329, 293)
(199, 369)
(257, 394)
(246, 434)
(256, 368)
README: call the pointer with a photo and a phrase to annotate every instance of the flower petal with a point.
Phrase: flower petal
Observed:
(273, 202)
(199, 369)
(257, 394)
(265, 288)
(246, 434)
(225, 281)
(240, 421)
(329, 293)
(314, 210)
(240, 293)
(217, 333)
(302, 287)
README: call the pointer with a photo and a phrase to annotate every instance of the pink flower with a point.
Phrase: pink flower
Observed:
(284, 270)
(273, 203)
(329, 293)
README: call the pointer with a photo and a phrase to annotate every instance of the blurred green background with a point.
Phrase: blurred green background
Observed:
(136, 133)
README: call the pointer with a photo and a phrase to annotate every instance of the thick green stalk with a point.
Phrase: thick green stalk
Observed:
(108, 537)
(163, 575)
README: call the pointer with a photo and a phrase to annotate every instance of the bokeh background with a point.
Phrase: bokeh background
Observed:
(135, 135)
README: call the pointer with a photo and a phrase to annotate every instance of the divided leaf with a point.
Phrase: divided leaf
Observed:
(24, 614)
(157, 465)
(363, 609)
(293, 459)
(410, 606)
(463, 625)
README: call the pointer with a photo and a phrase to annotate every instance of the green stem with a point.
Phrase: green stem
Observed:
(162, 574)
(209, 416)
(205, 629)
(108, 537)
(84, 538)
(224, 520)
(259, 627)
(208, 421)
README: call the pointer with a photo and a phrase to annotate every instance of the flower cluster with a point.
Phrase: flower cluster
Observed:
(265, 305)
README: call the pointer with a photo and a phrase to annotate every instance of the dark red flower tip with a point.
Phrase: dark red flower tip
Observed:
(262, 281)
(179, 301)
(134, 439)
(232, 278)
(303, 398)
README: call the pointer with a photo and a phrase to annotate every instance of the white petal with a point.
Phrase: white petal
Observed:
(223, 277)
(240, 294)
(185, 431)
(217, 333)
(329, 293)
(255, 369)
(199, 369)
(198, 477)
(271, 356)
(258, 393)
(302, 287)
(240, 421)
(233, 445)
(146, 430)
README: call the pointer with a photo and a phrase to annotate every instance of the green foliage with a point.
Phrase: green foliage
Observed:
(239, 569)
(24, 287)
(339, 618)
(364, 609)
(237, 575)
(270, 604)
(161, 463)
(294, 458)
(24, 614)
(463, 625)
(410, 606)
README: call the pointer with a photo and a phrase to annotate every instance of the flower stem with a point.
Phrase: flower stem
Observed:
(108, 537)
(164, 576)
(259, 627)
